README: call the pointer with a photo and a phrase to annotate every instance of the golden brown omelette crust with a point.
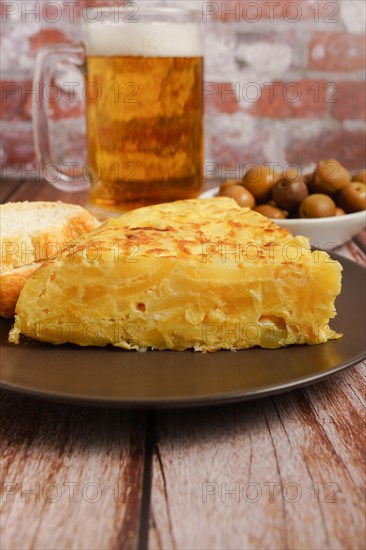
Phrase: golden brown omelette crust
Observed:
(186, 228)
(232, 272)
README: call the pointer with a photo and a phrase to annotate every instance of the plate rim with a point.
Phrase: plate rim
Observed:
(182, 402)
(195, 401)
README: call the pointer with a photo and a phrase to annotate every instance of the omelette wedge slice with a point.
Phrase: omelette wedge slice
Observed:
(195, 274)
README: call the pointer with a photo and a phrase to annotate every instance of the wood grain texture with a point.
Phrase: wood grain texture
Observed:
(295, 466)
(353, 252)
(8, 188)
(294, 463)
(85, 469)
(360, 240)
(41, 191)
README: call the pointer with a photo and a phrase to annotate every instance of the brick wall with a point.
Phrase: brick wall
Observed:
(284, 82)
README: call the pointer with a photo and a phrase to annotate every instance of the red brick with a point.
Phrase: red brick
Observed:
(46, 37)
(298, 99)
(7, 9)
(227, 147)
(228, 11)
(66, 105)
(69, 12)
(17, 145)
(17, 99)
(82, 4)
(13, 100)
(289, 37)
(346, 146)
(220, 97)
(52, 12)
(337, 51)
(231, 11)
(73, 144)
(325, 11)
(351, 101)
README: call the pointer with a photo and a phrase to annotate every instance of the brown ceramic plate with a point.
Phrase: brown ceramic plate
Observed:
(113, 377)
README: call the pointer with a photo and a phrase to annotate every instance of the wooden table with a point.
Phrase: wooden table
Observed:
(285, 472)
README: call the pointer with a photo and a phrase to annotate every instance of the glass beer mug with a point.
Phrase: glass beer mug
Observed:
(144, 87)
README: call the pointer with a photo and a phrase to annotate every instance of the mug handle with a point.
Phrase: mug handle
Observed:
(74, 180)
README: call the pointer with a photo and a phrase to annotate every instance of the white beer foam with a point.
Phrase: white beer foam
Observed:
(143, 39)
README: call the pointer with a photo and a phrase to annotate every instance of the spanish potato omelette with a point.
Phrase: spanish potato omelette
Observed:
(194, 274)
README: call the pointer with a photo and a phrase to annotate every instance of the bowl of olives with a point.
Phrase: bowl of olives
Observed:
(324, 203)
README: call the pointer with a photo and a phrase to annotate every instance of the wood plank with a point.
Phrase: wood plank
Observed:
(352, 251)
(8, 188)
(295, 465)
(88, 461)
(42, 191)
(360, 240)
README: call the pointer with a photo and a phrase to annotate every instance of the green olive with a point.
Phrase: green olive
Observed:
(330, 176)
(242, 196)
(259, 180)
(270, 211)
(339, 212)
(309, 178)
(289, 193)
(360, 176)
(317, 206)
(352, 198)
(291, 173)
(228, 183)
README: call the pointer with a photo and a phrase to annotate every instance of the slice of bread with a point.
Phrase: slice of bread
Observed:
(30, 233)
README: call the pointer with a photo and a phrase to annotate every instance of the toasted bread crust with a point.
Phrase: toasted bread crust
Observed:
(11, 283)
(37, 245)
(22, 252)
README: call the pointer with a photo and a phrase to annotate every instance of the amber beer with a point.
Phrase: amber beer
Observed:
(144, 114)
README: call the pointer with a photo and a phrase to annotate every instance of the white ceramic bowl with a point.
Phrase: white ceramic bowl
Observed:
(326, 233)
